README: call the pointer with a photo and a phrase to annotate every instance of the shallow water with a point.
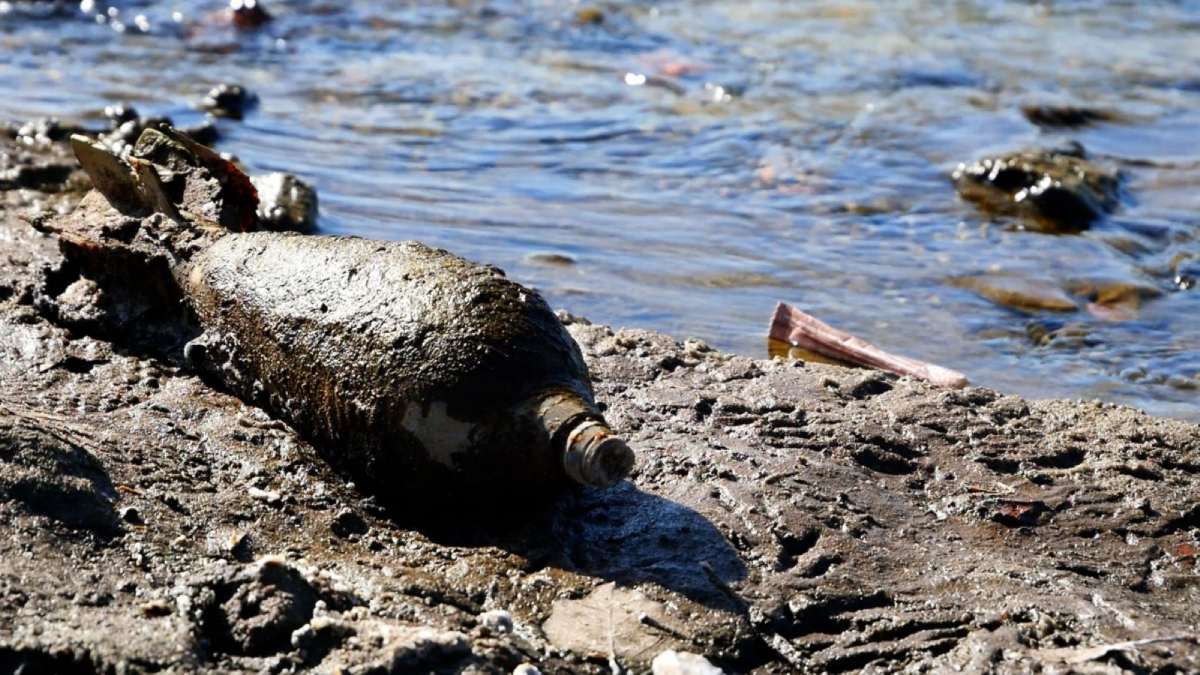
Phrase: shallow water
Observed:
(700, 161)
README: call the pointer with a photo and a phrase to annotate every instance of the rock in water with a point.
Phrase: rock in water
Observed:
(422, 373)
(229, 100)
(1066, 117)
(1049, 190)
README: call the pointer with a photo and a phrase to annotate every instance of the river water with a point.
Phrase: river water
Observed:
(683, 166)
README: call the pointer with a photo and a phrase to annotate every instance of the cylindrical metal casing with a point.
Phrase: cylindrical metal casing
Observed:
(415, 369)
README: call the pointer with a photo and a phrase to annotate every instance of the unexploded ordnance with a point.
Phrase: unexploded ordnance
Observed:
(419, 371)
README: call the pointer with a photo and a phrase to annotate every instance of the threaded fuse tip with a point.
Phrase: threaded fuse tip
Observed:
(595, 456)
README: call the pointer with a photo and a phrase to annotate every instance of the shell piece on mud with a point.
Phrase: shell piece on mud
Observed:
(111, 176)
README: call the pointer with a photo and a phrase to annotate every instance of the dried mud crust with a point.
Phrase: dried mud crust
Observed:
(783, 518)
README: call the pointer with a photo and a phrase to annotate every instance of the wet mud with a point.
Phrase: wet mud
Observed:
(784, 517)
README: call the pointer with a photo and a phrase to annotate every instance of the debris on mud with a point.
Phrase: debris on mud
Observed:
(1053, 191)
(37, 155)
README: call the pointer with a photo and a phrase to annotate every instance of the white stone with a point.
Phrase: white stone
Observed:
(497, 620)
(683, 663)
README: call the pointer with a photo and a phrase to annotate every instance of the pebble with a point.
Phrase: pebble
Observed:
(683, 663)
(131, 515)
(228, 100)
(497, 620)
(285, 203)
(247, 14)
(156, 608)
(268, 496)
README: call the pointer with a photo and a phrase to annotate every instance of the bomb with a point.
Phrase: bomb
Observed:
(421, 373)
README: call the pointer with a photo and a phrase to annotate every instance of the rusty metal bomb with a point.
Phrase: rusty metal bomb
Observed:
(420, 372)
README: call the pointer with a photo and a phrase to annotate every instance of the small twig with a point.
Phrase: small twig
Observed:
(776, 477)
(1077, 655)
(613, 664)
(647, 620)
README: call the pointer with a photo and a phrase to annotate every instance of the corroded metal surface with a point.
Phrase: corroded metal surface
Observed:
(419, 372)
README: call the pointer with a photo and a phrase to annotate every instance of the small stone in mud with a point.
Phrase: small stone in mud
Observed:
(122, 138)
(285, 203)
(347, 522)
(268, 496)
(247, 13)
(228, 100)
(497, 621)
(526, 669)
(156, 608)
(131, 515)
(682, 663)
(1067, 116)
(1055, 191)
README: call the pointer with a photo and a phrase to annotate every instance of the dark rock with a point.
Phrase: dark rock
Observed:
(205, 133)
(131, 515)
(44, 130)
(120, 113)
(228, 100)
(348, 522)
(1054, 191)
(1186, 273)
(45, 177)
(1069, 117)
(248, 14)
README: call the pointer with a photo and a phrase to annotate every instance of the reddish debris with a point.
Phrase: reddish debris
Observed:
(1018, 513)
(807, 332)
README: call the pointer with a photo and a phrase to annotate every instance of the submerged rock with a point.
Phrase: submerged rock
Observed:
(1051, 191)
(1023, 294)
(1067, 116)
(423, 374)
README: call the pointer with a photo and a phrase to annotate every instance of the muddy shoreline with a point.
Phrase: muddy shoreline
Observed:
(784, 517)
